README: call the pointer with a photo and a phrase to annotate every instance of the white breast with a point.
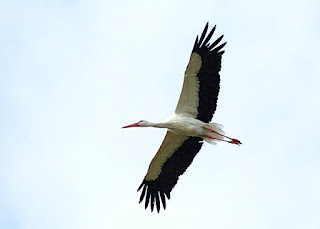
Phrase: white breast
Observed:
(186, 126)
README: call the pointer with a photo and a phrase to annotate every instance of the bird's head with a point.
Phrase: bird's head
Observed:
(141, 123)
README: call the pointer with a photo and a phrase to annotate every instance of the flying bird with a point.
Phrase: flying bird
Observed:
(190, 123)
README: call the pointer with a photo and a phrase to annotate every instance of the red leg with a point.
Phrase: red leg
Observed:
(233, 140)
(205, 136)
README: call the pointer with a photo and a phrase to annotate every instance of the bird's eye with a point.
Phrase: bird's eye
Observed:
(141, 121)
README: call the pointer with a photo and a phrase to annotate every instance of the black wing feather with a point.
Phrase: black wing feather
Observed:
(204, 33)
(157, 201)
(175, 166)
(209, 36)
(208, 75)
(163, 200)
(217, 49)
(215, 43)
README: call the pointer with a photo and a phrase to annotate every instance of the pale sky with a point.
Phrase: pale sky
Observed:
(72, 73)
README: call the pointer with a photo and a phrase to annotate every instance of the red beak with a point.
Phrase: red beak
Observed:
(132, 125)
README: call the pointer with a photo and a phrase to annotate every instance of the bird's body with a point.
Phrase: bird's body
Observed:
(187, 126)
(190, 123)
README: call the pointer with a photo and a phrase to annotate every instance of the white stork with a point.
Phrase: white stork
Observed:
(189, 125)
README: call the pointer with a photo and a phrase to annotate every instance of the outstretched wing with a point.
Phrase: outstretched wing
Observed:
(200, 89)
(198, 99)
(172, 159)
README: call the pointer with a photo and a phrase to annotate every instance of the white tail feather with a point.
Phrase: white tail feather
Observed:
(214, 138)
(210, 140)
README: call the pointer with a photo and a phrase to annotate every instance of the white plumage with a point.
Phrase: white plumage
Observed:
(190, 123)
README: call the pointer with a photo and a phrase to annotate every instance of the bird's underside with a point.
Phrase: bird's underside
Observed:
(195, 109)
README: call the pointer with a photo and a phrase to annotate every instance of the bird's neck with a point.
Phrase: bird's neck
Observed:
(158, 124)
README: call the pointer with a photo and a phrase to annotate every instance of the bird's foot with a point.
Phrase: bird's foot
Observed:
(235, 141)
(232, 140)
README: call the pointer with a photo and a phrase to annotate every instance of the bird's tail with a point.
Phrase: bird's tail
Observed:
(214, 133)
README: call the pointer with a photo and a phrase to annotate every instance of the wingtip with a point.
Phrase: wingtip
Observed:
(168, 195)
(206, 41)
(146, 204)
(147, 198)
(217, 49)
(152, 202)
(215, 43)
(204, 32)
(163, 200)
(140, 187)
(142, 194)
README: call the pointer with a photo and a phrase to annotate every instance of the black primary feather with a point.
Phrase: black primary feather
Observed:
(208, 75)
(176, 165)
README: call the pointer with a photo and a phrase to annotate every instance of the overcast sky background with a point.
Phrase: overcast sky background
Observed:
(73, 72)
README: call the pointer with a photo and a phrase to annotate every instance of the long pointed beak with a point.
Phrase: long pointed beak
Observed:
(132, 125)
